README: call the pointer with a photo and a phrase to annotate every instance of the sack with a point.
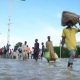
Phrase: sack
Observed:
(69, 16)
(55, 56)
(47, 55)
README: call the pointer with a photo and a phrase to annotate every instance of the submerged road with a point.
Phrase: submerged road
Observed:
(12, 69)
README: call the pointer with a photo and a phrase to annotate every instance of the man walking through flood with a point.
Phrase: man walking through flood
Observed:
(69, 38)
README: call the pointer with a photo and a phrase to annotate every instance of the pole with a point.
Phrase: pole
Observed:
(9, 20)
(8, 34)
(60, 49)
(10, 5)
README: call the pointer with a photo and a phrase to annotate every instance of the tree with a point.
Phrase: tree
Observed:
(17, 45)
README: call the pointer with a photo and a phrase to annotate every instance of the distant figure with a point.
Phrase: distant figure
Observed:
(4, 52)
(69, 38)
(50, 48)
(36, 49)
(1, 52)
(42, 50)
(32, 53)
(24, 50)
(8, 49)
(28, 51)
(20, 51)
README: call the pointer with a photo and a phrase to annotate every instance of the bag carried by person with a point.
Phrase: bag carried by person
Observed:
(55, 56)
(69, 16)
(47, 55)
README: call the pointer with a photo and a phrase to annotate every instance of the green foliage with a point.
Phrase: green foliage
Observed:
(17, 45)
(78, 51)
(57, 50)
(45, 50)
(65, 53)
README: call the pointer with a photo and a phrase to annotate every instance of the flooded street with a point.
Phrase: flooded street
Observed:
(12, 69)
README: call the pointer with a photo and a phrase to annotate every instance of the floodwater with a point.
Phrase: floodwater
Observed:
(12, 69)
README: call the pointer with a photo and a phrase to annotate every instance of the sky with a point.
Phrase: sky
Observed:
(31, 19)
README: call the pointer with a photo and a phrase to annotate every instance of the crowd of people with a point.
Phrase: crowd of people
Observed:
(24, 52)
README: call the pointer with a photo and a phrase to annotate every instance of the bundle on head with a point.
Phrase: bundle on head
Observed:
(69, 16)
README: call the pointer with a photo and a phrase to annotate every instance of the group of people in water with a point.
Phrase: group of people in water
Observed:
(24, 51)
(36, 52)
(68, 38)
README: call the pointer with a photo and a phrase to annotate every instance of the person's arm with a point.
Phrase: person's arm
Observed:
(78, 30)
(63, 41)
(63, 38)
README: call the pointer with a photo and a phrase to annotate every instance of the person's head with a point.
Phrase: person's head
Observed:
(36, 40)
(32, 47)
(25, 42)
(48, 38)
(69, 24)
(42, 43)
(27, 46)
